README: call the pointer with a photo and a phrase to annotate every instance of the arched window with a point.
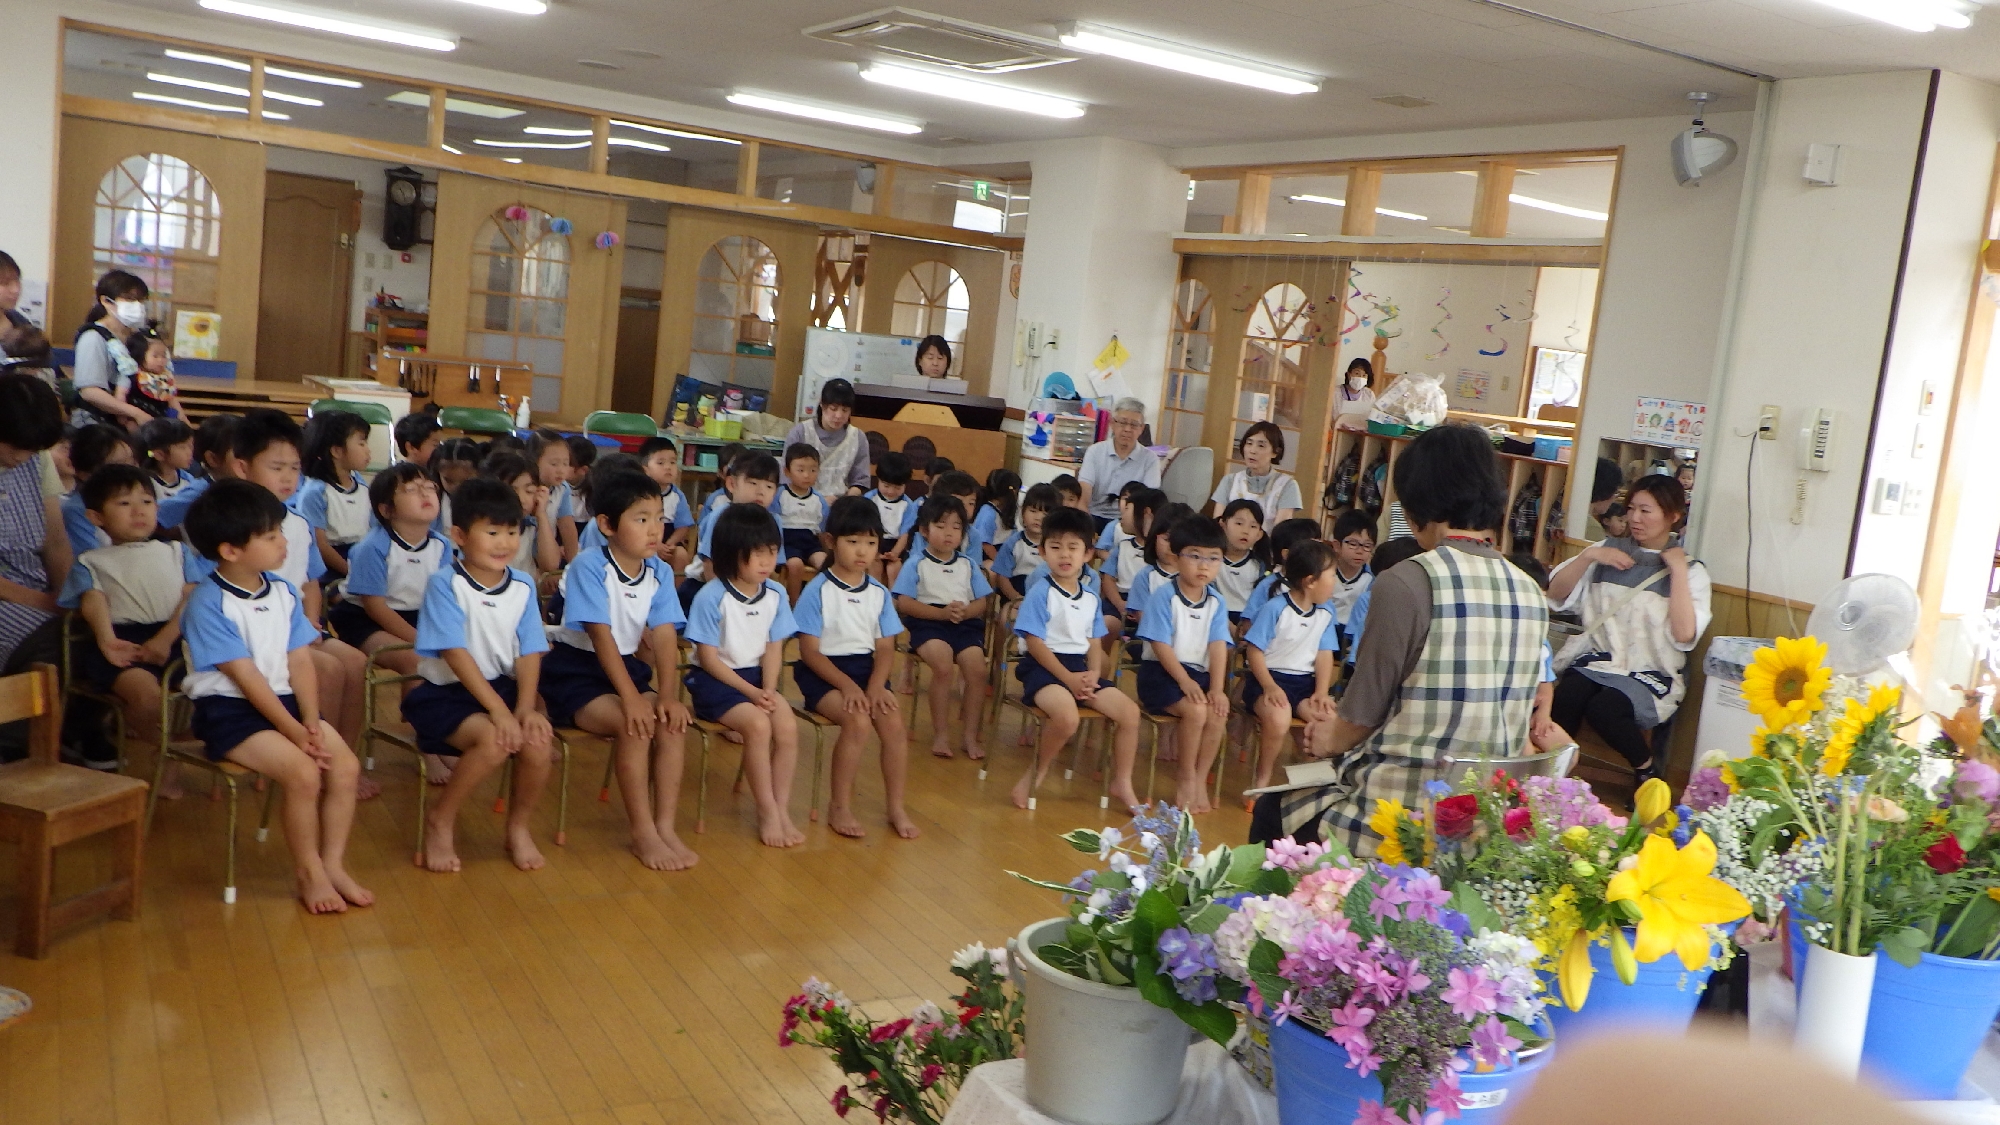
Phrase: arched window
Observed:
(1277, 338)
(1190, 349)
(519, 312)
(932, 300)
(735, 314)
(159, 217)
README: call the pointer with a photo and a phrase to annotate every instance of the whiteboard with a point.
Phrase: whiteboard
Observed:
(858, 357)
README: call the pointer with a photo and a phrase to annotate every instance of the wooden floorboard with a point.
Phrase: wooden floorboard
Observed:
(591, 991)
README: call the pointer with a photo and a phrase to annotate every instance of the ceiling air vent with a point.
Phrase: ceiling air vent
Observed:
(942, 41)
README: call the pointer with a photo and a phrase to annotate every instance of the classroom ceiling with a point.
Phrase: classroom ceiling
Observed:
(1478, 65)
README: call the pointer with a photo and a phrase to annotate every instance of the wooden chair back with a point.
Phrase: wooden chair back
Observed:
(34, 695)
(1553, 413)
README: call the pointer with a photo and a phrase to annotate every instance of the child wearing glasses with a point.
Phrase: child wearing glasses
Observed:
(1353, 547)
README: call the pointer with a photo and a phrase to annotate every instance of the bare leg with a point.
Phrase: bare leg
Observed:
(604, 716)
(669, 755)
(759, 768)
(847, 752)
(1199, 757)
(532, 766)
(1193, 728)
(479, 755)
(138, 693)
(1119, 708)
(972, 702)
(895, 771)
(298, 775)
(937, 654)
(340, 668)
(1273, 721)
(1059, 705)
(784, 767)
(336, 816)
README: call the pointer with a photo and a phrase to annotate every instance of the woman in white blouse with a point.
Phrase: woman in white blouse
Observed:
(1261, 448)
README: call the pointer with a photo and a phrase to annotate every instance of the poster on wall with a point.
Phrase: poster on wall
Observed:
(1668, 421)
(1472, 385)
(197, 335)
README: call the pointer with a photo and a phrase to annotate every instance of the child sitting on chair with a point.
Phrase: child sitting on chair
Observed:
(739, 625)
(617, 596)
(90, 449)
(255, 693)
(417, 437)
(942, 593)
(480, 644)
(1020, 554)
(752, 479)
(662, 462)
(209, 453)
(550, 455)
(166, 446)
(130, 593)
(897, 511)
(1293, 645)
(1185, 662)
(538, 553)
(1244, 557)
(847, 642)
(1060, 621)
(334, 498)
(962, 488)
(801, 511)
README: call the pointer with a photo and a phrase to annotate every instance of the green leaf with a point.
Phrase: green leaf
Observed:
(1263, 965)
(1975, 929)
(1065, 958)
(1245, 862)
(1213, 1019)
(1906, 946)
(1467, 901)
(1155, 912)
(1211, 917)
(1079, 936)
(1112, 880)
(1276, 881)
(1112, 975)
(1153, 985)
(1528, 1036)
(1065, 888)
(1084, 840)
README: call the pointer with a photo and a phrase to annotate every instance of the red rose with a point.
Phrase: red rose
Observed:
(1945, 856)
(1520, 825)
(969, 1014)
(1455, 815)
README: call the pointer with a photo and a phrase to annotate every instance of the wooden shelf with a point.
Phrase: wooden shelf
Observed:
(383, 329)
(1551, 476)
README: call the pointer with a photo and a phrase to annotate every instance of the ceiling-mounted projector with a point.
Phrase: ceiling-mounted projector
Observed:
(1697, 151)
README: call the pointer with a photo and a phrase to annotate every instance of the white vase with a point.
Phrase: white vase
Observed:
(1833, 1008)
(1097, 1055)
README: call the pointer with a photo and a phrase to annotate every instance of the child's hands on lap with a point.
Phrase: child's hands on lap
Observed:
(156, 651)
(956, 611)
(856, 701)
(673, 713)
(309, 740)
(884, 700)
(1083, 685)
(122, 653)
(1218, 703)
(535, 728)
(767, 699)
(639, 718)
(506, 730)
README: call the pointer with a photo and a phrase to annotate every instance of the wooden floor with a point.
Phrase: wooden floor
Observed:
(591, 991)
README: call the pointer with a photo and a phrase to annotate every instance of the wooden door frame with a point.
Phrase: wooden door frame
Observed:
(350, 224)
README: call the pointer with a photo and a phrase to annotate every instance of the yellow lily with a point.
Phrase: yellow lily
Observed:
(1652, 801)
(1621, 957)
(1676, 896)
(1574, 971)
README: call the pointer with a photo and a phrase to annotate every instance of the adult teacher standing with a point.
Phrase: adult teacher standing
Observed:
(1109, 465)
(1449, 662)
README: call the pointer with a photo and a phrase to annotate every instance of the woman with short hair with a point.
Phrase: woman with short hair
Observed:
(1277, 494)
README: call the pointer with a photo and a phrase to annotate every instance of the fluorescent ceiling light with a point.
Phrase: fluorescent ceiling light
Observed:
(1913, 15)
(234, 91)
(451, 150)
(967, 90)
(518, 7)
(665, 132)
(550, 131)
(455, 105)
(530, 144)
(511, 159)
(629, 142)
(1332, 202)
(1558, 208)
(272, 71)
(1096, 40)
(825, 113)
(211, 107)
(338, 24)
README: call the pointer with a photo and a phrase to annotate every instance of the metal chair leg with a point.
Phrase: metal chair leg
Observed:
(506, 785)
(562, 794)
(610, 766)
(229, 876)
(264, 820)
(819, 766)
(423, 804)
(701, 789)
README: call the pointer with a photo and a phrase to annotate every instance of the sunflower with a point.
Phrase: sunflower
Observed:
(1759, 743)
(1384, 821)
(1786, 684)
(1847, 729)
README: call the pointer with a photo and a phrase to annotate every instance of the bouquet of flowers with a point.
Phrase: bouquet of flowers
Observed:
(909, 1069)
(1377, 959)
(1149, 918)
(1564, 872)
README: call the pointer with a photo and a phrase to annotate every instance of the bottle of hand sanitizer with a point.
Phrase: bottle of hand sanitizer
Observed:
(521, 415)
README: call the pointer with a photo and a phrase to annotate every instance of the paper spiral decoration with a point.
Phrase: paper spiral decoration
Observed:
(607, 240)
(516, 213)
(560, 226)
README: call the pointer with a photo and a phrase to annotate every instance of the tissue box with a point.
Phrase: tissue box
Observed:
(1551, 448)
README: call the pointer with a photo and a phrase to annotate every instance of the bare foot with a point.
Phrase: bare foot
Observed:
(319, 896)
(1122, 794)
(655, 853)
(793, 837)
(940, 749)
(521, 848)
(439, 854)
(365, 788)
(1024, 789)
(170, 784)
(730, 735)
(1187, 795)
(842, 821)
(350, 890)
(774, 832)
(684, 856)
(436, 768)
(904, 826)
(975, 750)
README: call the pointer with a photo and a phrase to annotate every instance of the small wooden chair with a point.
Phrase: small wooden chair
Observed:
(73, 684)
(188, 751)
(45, 804)
(1086, 716)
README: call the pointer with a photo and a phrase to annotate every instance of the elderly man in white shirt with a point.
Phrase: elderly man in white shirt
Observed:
(1109, 465)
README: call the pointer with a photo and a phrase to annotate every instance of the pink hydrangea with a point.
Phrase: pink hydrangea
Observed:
(1290, 855)
(1323, 891)
(1978, 780)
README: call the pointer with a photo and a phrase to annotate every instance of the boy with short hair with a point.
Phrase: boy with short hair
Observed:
(842, 448)
(480, 643)
(896, 509)
(964, 489)
(255, 692)
(1070, 489)
(662, 461)
(592, 678)
(1353, 546)
(942, 592)
(90, 449)
(801, 513)
(130, 593)
(417, 437)
(1186, 624)
(752, 479)
(1060, 621)
(847, 627)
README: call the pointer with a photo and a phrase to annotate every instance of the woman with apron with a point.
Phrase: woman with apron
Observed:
(843, 449)
(1261, 447)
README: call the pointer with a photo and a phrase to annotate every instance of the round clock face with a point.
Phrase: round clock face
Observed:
(402, 192)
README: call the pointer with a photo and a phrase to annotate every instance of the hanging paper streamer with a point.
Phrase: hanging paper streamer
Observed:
(516, 213)
(1444, 345)
(560, 226)
(607, 240)
(1387, 313)
(1502, 349)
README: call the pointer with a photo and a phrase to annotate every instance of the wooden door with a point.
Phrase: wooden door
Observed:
(302, 300)
(573, 370)
(638, 348)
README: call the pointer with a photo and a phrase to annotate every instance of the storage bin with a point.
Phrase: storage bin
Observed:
(1550, 448)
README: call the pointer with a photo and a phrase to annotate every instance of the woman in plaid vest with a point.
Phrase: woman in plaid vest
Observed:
(1449, 661)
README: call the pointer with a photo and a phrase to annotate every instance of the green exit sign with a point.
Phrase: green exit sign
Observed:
(981, 189)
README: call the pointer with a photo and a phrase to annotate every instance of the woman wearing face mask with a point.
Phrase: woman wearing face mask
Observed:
(1357, 398)
(103, 362)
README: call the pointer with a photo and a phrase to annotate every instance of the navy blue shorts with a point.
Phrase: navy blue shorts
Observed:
(436, 711)
(352, 624)
(92, 668)
(802, 544)
(969, 633)
(858, 668)
(1236, 617)
(571, 678)
(712, 698)
(1157, 689)
(224, 722)
(1034, 677)
(1296, 687)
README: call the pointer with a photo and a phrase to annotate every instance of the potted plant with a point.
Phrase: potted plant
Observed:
(1113, 987)
(1390, 999)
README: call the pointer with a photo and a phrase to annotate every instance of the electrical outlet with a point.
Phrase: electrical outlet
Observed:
(1767, 423)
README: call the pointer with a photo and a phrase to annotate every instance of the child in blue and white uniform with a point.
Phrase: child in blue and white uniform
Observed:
(391, 566)
(1293, 645)
(549, 453)
(897, 509)
(941, 594)
(1243, 559)
(801, 513)
(662, 461)
(1184, 664)
(997, 517)
(332, 497)
(166, 448)
(1020, 554)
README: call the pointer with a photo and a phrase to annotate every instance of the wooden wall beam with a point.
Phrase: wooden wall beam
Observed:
(1471, 253)
(885, 188)
(1253, 200)
(434, 125)
(256, 89)
(746, 169)
(1469, 162)
(1490, 205)
(600, 144)
(1364, 194)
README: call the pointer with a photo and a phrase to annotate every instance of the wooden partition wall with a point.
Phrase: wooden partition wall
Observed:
(890, 258)
(690, 232)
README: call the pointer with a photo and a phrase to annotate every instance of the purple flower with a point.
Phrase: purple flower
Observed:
(1288, 1007)
(1425, 896)
(1187, 955)
(1290, 855)
(1367, 1064)
(1455, 922)
(1706, 789)
(1445, 1096)
(1977, 779)
(1345, 1026)
(1378, 980)
(1386, 905)
(1490, 1042)
(1375, 1113)
(1471, 993)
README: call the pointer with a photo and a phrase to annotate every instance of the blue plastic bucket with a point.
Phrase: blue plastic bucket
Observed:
(1926, 1023)
(1663, 997)
(1315, 1086)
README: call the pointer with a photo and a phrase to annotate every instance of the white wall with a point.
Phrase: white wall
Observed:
(28, 140)
(1099, 260)
(1474, 297)
(1565, 308)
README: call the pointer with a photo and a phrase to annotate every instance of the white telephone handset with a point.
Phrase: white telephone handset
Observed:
(1815, 448)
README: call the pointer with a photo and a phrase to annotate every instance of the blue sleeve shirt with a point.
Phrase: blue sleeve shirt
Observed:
(740, 626)
(496, 625)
